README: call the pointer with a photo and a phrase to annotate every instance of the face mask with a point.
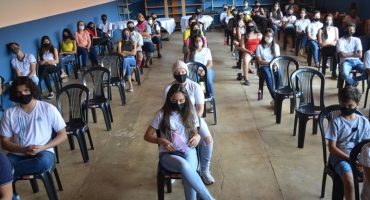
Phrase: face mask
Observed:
(316, 19)
(256, 6)
(154, 18)
(276, 8)
(15, 50)
(127, 36)
(150, 21)
(241, 17)
(65, 37)
(353, 16)
(24, 99)
(140, 21)
(328, 23)
(104, 19)
(47, 45)
(225, 9)
(198, 12)
(250, 28)
(92, 28)
(132, 29)
(288, 14)
(200, 44)
(348, 33)
(196, 31)
(268, 40)
(81, 27)
(347, 111)
(181, 78)
(177, 107)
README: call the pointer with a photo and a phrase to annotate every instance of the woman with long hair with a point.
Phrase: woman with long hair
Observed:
(327, 39)
(266, 51)
(248, 45)
(127, 48)
(48, 59)
(300, 29)
(275, 17)
(68, 49)
(178, 122)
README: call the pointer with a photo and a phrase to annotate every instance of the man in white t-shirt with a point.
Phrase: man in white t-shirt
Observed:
(23, 64)
(106, 28)
(349, 49)
(26, 129)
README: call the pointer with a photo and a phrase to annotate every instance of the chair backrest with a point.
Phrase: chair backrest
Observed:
(286, 66)
(117, 33)
(353, 157)
(99, 76)
(77, 94)
(302, 84)
(193, 68)
(328, 113)
(114, 61)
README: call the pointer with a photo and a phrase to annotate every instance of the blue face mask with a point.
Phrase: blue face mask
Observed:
(127, 36)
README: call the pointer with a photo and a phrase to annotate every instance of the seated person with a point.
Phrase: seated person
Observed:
(67, 53)
(295, 7)
(343, 133)
(6, 178)
(48, 59)
(127, 48)
(365, 39)
(350, 51)
(138, 39)
(300, 29)
(246, 10)
(275, 17)
(365, 162)
(353, 19)
(194, 29)
(312, 30)
(84, 47)
(178, 122)
(30, 147)
(155, 34)
(107, 32)
(238, 32)
(96, 36)
(144, 29)
(259, 15)
(187, 32)
(23, 64)
(327, 39)
(288, 26)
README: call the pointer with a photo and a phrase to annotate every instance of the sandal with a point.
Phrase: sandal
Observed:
(247, 83)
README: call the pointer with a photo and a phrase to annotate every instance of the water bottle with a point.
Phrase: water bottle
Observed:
(259, 94)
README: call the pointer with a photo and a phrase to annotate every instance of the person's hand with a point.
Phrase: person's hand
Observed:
(42, 62)
(33, 149)
(201, 72)
(166, 144)
(194, 141)
(359, 166)
(87, 48)
(274, 67)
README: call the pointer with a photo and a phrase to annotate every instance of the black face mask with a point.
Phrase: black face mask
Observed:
(256, 6)
(250, 29)
(46, 45)
(181, 78)
(316, 19)
(15, 50)
(140, 22)
(65, 37)
(104, 19)
(132, 29)
(92, 28)
(154, 18)
(288, 14)
(24, 99)
(196, 31)
(346, 111)
(225, 9)
(348, 33)
(177, 107)
(197, 12)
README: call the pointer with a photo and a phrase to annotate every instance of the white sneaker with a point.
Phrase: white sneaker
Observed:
(211, 109)
(207, 177)
(63, 75)
(272, 103)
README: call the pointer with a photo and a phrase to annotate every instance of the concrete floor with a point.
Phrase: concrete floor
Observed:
(253, 157)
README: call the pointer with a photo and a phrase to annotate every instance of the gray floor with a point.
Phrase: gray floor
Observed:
(253, 157)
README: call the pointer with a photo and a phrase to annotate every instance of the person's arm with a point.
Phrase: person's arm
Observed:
(149, 137)
(333, 43)
(32, 70)
(6, 191)
(186, 52)
(320, 39)
(261, 62)
(342, 54)
(209, 64)
(145, 34)
(284, 21)
(119, 49)
(263, 14)
(109, 28)
(297, 29)
(61, 136)
(88, 41)
(335, 151)
(56, 58)
(366, 27)
(158, 31)
(8, 145)
(309, 33)
(344, 23)
(293, 19)
(61, 49)
(17, 72)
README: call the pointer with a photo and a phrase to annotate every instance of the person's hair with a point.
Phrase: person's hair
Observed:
(147, 17)
(246, 35)
(276, 14)
(192, 18)
(238, 18)
(229, 11)
(353, 6)
(23, 80)
(130, 22)
(290, 7)
(70, 36)
(192, 28)
(103, 15)
(256, 1)
(245, 1)
(324, 28)
(42, 49)
(77, 25)
(151, 14)
(349, 93)
(263, 42)
(139, 15)
(316, 12)
(192, 47)
(351, 24)
(187, 115)
(10, 44)
(304, 10)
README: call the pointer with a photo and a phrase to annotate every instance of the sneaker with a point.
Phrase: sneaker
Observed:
(64, 80)
(207, 177)
(63, 75)
(50, 96)
(272, 103)
(247, 83)
(355, 84)
(159, 55)
(211, 109)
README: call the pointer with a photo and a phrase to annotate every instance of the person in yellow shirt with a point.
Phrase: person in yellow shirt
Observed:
(187, 31)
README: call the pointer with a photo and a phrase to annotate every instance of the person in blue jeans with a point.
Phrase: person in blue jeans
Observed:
(26, 129)
(84, 45)
(6, 178)
(312, 30)
(127, 48)
(300, 29)
(178, 122)
(266, 51)
(349, 49)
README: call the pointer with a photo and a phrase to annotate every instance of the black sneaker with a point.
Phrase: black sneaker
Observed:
(50, 96)
(159, 55)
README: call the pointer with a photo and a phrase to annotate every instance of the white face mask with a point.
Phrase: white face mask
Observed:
(200, 44)
(150, 21)
(268, 39)
(276, 8)
(81, 27)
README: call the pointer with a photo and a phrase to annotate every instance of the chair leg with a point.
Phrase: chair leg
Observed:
(314, 124)
(291, 106)
(205, 110)
(49, 186)
(34, 185)
(278, 108)
(122, 93)
(302, 120)
(110, 112)
(106, 117)
(295, 124)
(60, 187)
(56, 154)
(169, 185)
(93, 112)
(83, 147)
(75, 69)
(214, 111)
(90, 140)
(71, 142)
(323, 185)
(160, 186)
(367, 93)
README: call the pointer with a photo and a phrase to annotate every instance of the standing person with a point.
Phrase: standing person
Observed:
(127, 48)
(6, 178)
(23, 64)
(26, 129)
(48, 60)
(266, 51)
(312, 30)
(196, 96)
(300, 28)
(198, 53)
(288, 26)
(259, 15)
(327, 39)
(178, 122)
(84, 47)
(106, 28)
(67, 53)
(275, 17)
(350, 51)
(344, 132)
(145, 31)
(155, 34)
(248, 45)
(353, 19)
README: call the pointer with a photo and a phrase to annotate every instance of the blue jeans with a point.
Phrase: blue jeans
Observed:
(352, 64)
(315, 50)
(190, 178)
(38, 163)
(210, 76)
(83, 52)
(65, 59)
(304, 40)
(127, 63)
(148, 47)
(265, 73)
(275, 29)
(35, 79)
(156, 40)
(206, 150)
